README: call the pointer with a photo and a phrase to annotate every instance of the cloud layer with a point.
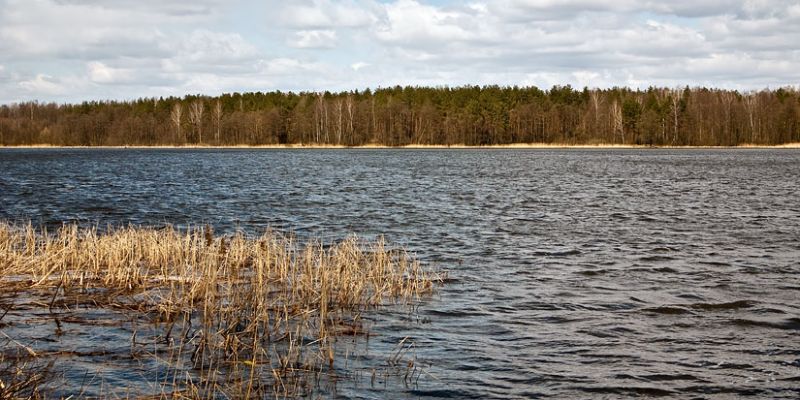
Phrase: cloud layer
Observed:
(72, 50)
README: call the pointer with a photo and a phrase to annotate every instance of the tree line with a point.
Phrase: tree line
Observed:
(396, 116)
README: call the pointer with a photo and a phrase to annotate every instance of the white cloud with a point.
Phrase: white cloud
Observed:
(410, 22)
(287, 67)
(40, 29)
(101, 73)
(44, 84)
(204, 47)
(325, 14)
(172, 8)
(359, 65)
(82, 49)
(215, 83)
(314, 39)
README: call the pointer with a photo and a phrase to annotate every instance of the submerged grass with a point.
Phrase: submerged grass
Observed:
(228, 315)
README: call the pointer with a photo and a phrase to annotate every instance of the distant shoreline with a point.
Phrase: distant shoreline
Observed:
(414, 146)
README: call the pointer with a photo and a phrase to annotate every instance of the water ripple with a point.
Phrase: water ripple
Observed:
(573, 273)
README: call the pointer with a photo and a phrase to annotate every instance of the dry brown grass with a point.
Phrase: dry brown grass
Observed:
(236, 315)
(534, 145)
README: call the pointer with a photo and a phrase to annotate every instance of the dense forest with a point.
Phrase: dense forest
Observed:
(468, 115)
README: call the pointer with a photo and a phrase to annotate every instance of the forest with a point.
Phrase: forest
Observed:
(397, 116)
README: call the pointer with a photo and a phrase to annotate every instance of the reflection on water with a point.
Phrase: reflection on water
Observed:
(575, 273)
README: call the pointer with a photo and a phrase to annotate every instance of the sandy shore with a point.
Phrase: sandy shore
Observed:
(424, 146)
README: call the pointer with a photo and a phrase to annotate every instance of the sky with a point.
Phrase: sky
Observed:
(77, 50)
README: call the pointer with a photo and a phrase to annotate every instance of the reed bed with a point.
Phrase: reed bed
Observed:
(226, 315)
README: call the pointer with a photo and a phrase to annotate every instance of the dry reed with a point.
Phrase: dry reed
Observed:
(235, 315)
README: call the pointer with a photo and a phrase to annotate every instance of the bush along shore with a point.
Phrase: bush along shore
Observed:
(137, 311)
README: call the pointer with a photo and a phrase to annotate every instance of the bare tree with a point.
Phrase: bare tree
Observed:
(751, 103)
(320, 117)
(338, 111)
(662, 98)
(727, 101)
(176, 116)
(196, 118)
(594, 97)
(217, 119)
(349, 105)
(373, 126)
(616, 120)
(325, 119)
(676, 95)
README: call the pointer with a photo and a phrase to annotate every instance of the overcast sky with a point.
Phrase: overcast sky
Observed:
(74, 50)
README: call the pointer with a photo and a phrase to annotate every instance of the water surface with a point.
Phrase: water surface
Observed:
(575, 273)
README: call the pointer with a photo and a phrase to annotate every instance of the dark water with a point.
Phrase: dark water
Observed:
(580, 273)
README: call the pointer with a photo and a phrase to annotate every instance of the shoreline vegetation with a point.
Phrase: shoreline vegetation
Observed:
(198, 315)
(414, 146)
(419, 116)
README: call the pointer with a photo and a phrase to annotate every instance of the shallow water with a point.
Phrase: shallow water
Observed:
(575, 273)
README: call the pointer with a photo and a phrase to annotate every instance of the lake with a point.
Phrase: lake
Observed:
(573, 273)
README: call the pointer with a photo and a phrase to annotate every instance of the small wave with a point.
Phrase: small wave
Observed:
(668, 310)
(662, 249)
(737, 390)
(661, 270)
(619, 216)
(457, 313)
(592, 272)
(666, 270)
(661, 377)
(677, 309)
(787, 324)
(690, 296)
(714, 263)
(733, 305)
(636, 299)
(645, 218)
(627, 390)
(100, 209)
(447, 394)
(608, 333)
(656, 258)
(770, 310)
(751, 270)
(557, 253)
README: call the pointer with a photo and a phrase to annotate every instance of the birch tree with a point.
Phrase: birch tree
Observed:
(350, 129)
(177, 118)
(751, 104)
(339, 116)
(594, 99)
(217, 120)
(616, 120)
(676, 95)
(196, 118)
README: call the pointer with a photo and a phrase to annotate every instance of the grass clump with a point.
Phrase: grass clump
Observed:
(213, 315)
